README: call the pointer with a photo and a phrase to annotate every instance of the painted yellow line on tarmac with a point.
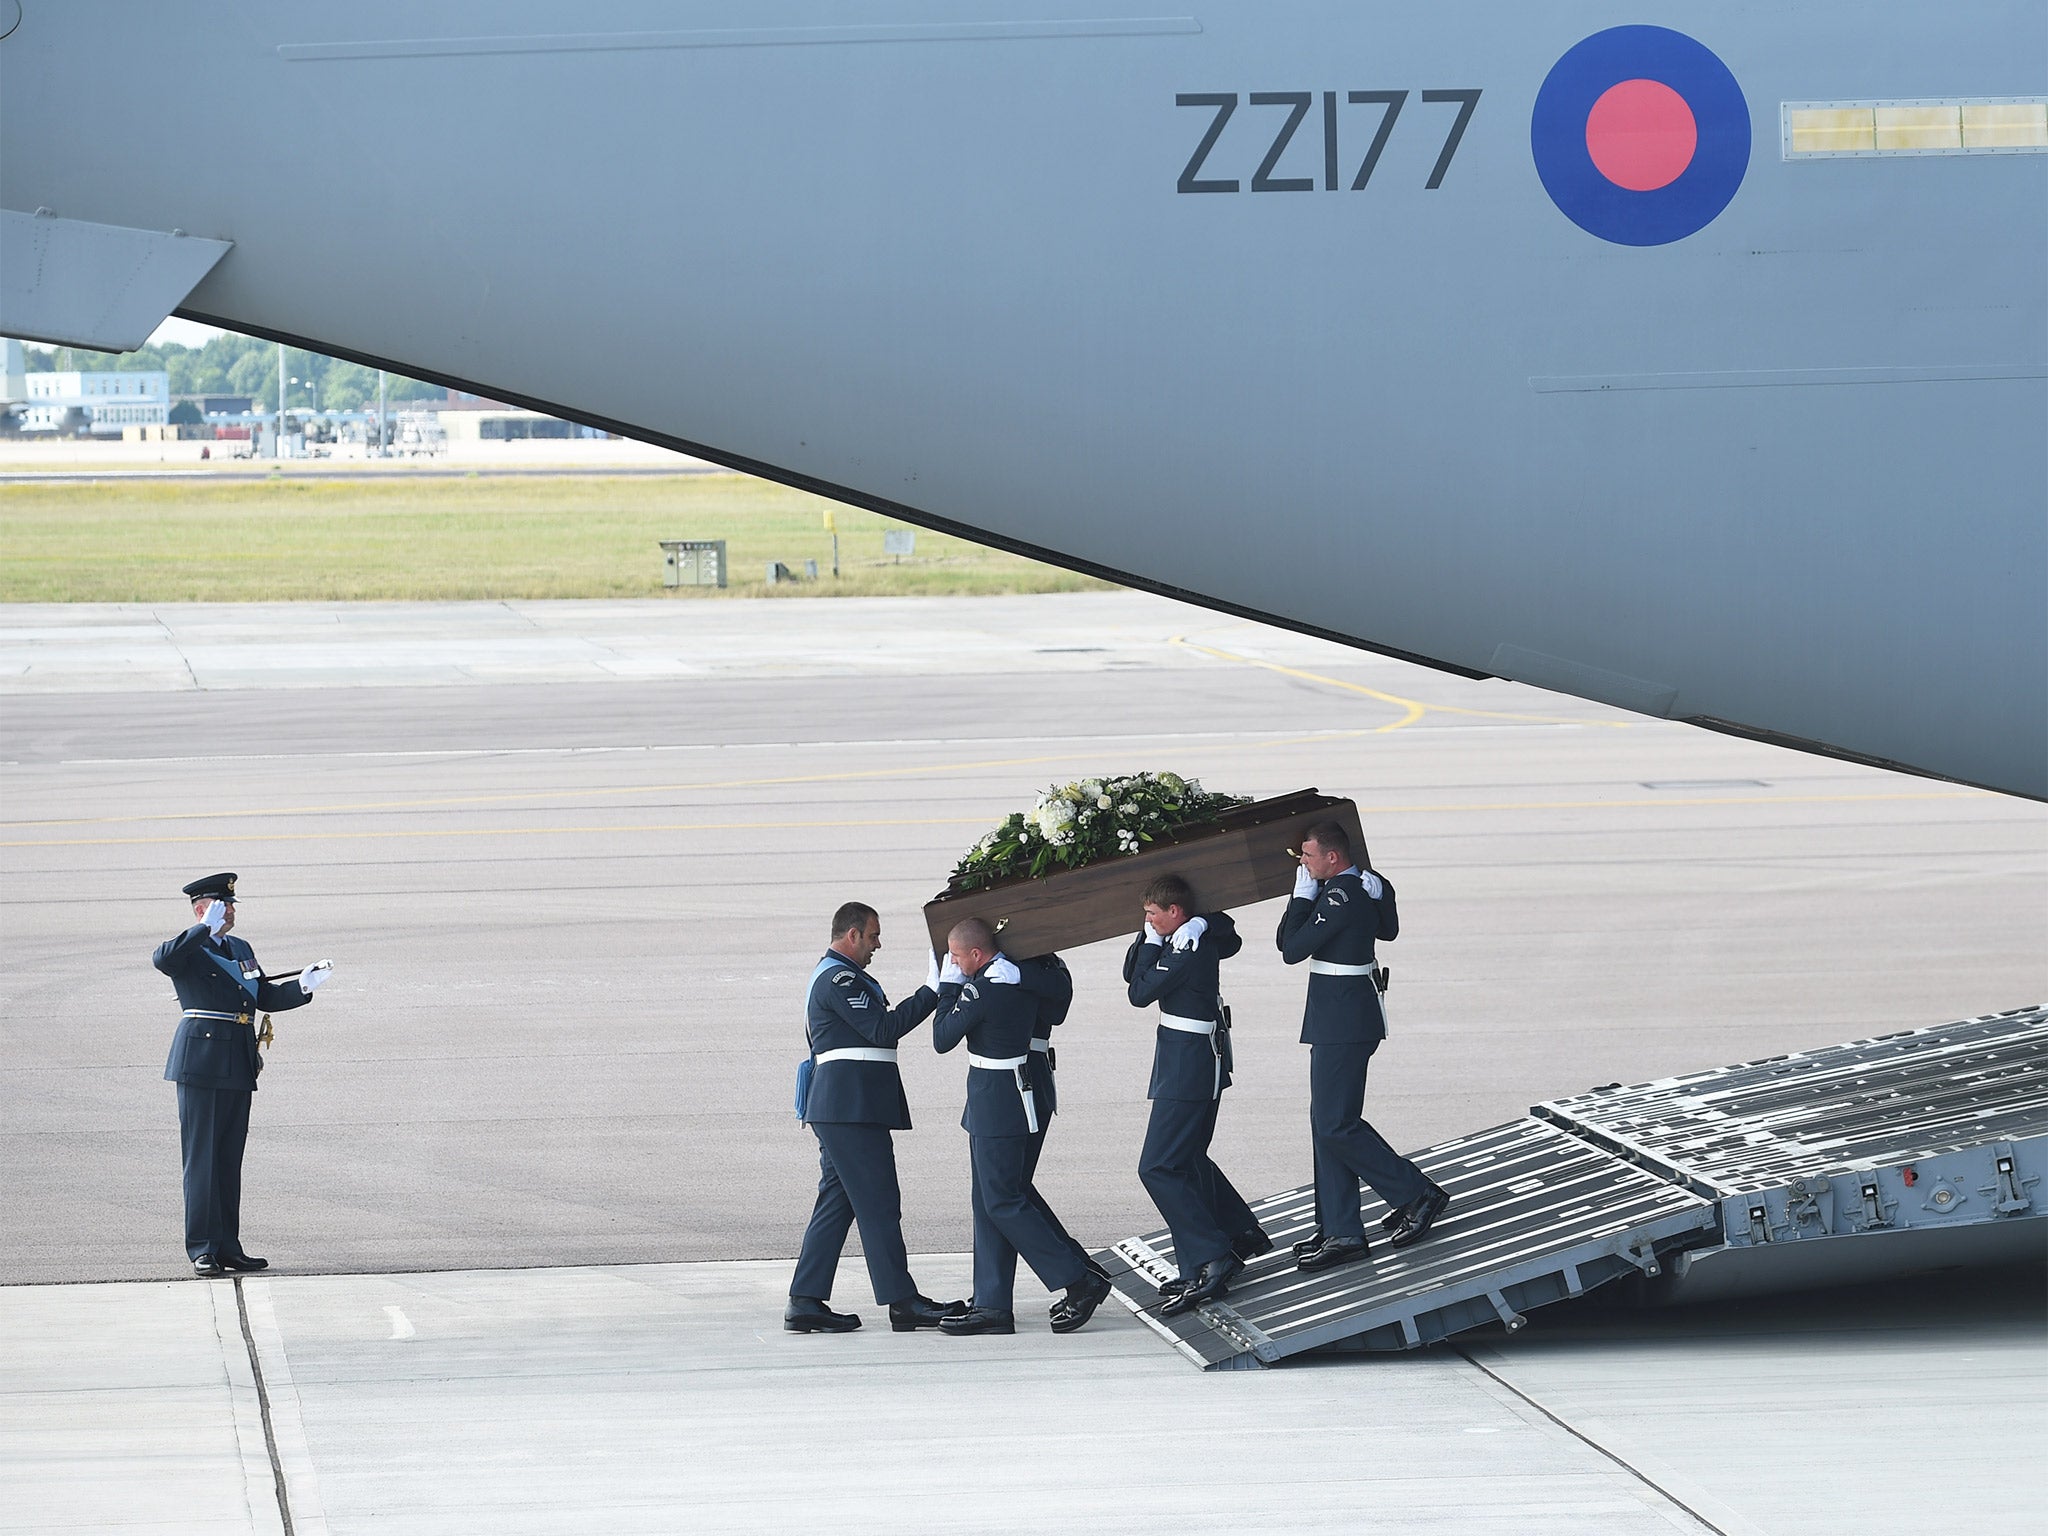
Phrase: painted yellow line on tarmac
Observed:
(599, 829)
(526, 797)
(1415, 708)
(584, 831)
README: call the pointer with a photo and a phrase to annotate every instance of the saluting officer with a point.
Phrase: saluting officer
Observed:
(981, 1002)
(1336, 914)
(854, 1101)
(214, 1061)
(1175, 962)
(1051, 986)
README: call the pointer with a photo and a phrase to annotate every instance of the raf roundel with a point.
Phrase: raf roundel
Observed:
(1641, 135)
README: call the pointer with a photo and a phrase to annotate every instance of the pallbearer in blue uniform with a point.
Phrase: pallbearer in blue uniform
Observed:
(1051, 986)
(1336, 914)
(851, 1095)
(1175, 962)
(214, 1061)
(982, 1003)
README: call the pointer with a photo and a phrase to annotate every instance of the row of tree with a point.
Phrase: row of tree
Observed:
(242, 365)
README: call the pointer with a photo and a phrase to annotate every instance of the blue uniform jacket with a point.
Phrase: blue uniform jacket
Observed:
(846, 1010)
(219, 976)
(996, 1020)
(1051, 986)
(1340, 926)
(1186, 984)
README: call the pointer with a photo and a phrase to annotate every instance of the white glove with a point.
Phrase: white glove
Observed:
(931, 972)
(1306, 885)
(215, 916)
(1372, 882)
(1189, 933)
(1152, 935)
(311, 977)
(950, 974)
(1000, 969)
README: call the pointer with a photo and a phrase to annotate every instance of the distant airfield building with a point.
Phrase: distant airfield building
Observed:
(471, 424)
(105, 402)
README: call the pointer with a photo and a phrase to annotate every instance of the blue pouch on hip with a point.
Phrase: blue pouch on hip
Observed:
(804, 1069)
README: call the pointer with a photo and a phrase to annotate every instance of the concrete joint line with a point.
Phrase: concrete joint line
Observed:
(1664, 1494)
(291, 1461)
(247, 1415)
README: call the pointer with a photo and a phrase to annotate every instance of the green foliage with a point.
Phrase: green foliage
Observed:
(241, 365)
(1086, 821)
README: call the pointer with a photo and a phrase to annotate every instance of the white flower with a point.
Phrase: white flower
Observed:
(1103, 802)
(1128, 808)
(1055, 820)
(1173, 782)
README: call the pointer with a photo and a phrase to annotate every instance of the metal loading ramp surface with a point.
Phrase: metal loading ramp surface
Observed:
(1536, 1215)
(1910, 1096)
(1853, 1161)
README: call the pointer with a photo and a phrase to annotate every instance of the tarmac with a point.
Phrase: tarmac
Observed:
(28, 460)
(526, 1167)
(664, 1398)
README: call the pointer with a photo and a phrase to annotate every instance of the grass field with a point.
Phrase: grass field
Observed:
(507, 536)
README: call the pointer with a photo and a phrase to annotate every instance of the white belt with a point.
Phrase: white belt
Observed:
(1199, 1027)
(1332, 968)
(1010, 1064)
(857, 1053)
(232, 1018)
(1041, 1045)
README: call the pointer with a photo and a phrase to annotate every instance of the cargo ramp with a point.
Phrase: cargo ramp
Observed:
(1918, 1150)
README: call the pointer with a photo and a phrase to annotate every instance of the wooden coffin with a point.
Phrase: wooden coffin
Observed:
(1248, 855)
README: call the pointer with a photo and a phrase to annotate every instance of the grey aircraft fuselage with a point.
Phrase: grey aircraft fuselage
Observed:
(1308, 311)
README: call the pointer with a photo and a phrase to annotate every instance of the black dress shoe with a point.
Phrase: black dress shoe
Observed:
(806, 1314)
(1419, 1215)
(1168, 1289)
(207, 1267)
(1250, 1245)
(978, 1320)
(1075, 1308)
(1309, 1244)
(922, 1312)
(1331, 1253)
(244, 1261)
(1211, 1281)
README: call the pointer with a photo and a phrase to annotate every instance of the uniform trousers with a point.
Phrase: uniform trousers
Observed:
(1348, 1149)
(1011, 1219)
(1202, 1208)
(856, 1183)
(1044, 1206)
(213, 1128)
